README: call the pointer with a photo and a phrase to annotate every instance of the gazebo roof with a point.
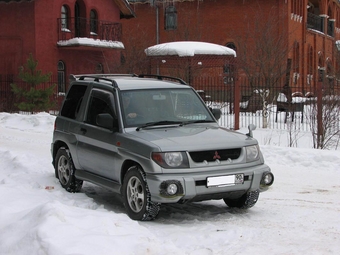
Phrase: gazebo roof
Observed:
(188, 49)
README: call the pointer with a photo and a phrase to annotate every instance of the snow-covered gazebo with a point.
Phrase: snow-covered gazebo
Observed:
(193, 61)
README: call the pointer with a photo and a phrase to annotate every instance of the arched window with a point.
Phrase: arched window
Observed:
(61, 77)
(99, 68)
(330, 22)
(93, 21)
(330, 76)
(170, 16)
(64, 17)
(321, 67)
(330, 69)
(228, 69)
(310, 65)
(296, 62)
(310, 60)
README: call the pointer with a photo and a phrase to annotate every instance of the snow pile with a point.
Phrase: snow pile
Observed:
(298, 215)
(80, 41)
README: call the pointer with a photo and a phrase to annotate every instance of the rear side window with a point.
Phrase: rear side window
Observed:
(73, 101)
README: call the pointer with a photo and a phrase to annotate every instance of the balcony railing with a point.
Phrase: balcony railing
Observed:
(86, 28)
(314, 22)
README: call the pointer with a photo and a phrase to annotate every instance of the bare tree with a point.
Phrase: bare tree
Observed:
(324, 112)
(326, 135)
(262, 53)
(133, 58)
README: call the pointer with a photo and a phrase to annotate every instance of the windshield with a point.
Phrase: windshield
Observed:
(162, 107)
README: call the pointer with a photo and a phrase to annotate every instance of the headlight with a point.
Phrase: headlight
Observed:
(252, 153)
(170, 159)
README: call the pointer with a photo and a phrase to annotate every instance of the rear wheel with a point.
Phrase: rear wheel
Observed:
(65, 171)
(248, 200)
(136, 196)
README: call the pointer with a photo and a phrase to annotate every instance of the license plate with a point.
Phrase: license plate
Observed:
(227, 180)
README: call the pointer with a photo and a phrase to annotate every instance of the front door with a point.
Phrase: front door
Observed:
(97, 149)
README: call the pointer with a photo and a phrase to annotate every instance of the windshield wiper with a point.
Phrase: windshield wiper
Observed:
(158, 123)
(196, 121)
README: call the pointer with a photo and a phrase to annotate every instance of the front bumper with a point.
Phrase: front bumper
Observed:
(193, 186)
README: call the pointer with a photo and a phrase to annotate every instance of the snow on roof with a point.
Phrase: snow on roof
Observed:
(91, 42)
(188, 48)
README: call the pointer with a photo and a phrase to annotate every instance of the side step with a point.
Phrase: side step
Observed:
(98, 180)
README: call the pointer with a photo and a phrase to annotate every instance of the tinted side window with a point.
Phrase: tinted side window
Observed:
(100, 102)
(73, 101)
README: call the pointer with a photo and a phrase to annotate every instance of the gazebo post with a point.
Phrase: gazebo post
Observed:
(189, 61)
(236, 104)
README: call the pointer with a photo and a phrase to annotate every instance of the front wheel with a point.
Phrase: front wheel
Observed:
(136, 196)
(248, 200)
(65, 171)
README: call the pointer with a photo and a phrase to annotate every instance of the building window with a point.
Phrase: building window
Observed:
(231, 45)
(99, 68)
(64, 17)
(122, 58)
(310, 66)
(170, 22)
(321, 68)
(296, 62)
(93, 22)
(61, 77)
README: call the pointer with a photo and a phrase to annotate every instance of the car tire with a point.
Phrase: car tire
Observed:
(65, 171)
(137, 197)
(248, 200)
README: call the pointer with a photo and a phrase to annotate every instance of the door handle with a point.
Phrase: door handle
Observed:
(83, 130)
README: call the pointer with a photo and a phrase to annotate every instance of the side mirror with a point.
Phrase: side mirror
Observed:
(217, 113)
(251, 127)
(105, 120)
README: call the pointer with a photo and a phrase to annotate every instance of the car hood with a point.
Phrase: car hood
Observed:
(193, 137)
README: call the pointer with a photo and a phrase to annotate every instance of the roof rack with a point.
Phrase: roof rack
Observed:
(97, 77)
(105, 77)
(162, 77)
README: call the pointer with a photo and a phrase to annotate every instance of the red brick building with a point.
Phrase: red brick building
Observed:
(308, 30)
(64, 36)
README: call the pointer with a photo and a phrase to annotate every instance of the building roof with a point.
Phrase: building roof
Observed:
(123, 5)
(125, 9)
(7, 1)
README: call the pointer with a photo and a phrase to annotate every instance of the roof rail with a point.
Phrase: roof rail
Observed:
(162, 77)
(98, 77)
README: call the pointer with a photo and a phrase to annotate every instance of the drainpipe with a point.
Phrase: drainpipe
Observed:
(157, 25)
(157, 31)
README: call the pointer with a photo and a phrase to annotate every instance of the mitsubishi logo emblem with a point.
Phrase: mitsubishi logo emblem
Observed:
(216, 156)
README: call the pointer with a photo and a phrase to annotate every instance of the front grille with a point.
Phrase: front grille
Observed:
(213, 155)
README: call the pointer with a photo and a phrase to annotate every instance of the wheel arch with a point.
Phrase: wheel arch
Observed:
(125, 167)
(56, 146)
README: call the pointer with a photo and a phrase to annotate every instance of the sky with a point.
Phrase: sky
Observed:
(299, 214)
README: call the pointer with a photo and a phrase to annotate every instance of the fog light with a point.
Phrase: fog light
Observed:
(172, 189)
(267, 179)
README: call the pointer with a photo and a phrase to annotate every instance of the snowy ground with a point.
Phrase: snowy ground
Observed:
(300, 214)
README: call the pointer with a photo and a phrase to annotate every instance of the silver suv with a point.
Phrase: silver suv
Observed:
(153, 140)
